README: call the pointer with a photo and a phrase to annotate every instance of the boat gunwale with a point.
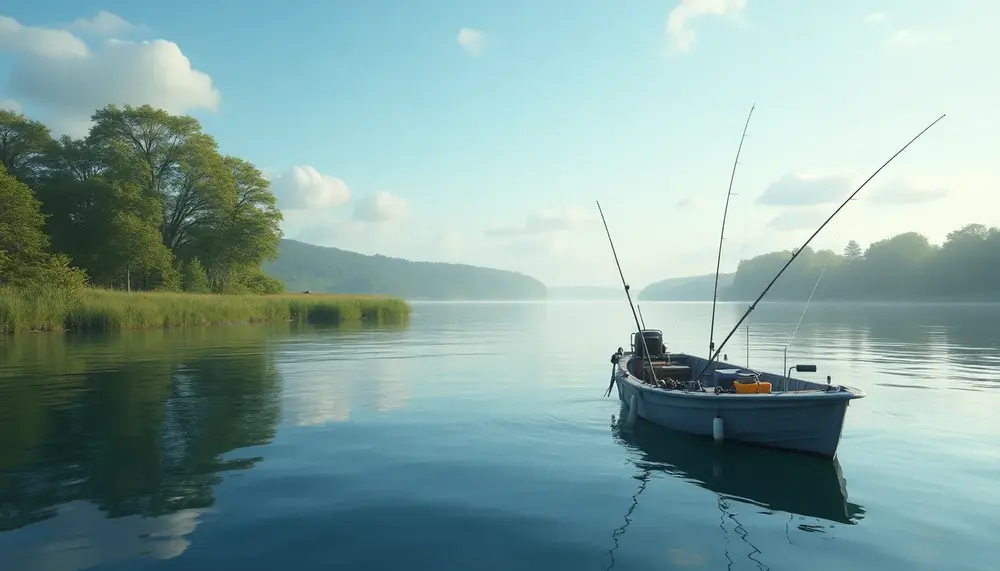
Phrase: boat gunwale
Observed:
(843, 392)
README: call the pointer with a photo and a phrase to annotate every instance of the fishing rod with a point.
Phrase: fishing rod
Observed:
(806, 243)
(722, 234)
(641, 320)
(784, 363)
(627, 296)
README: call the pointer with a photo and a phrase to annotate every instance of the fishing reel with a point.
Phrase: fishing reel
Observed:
(617, 356)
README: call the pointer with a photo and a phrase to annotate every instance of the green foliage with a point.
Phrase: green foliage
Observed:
(36, 309)
(25, 259)
(22, 145)
(143, 194)
(306, 267)
(853, 251)
(195, 277)
(259, 282)
(904, 267)
(103, 310)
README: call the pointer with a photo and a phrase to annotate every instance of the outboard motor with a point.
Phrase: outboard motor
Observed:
(653, 342)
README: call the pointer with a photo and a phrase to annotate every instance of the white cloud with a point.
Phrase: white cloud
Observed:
(57, 73)
(305, 188)
(10, 105)
(813, 190)
(80, 535)
(680, 18)
(472, 41)
(914, 39)
(39, 42)
(874, 18)
(900, 193)
(799, 189)
(379, 207)
(544, 222)
(104, 23)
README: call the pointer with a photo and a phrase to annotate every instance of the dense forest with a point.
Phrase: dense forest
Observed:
(904, 267)
(307, 267)
(145, 201)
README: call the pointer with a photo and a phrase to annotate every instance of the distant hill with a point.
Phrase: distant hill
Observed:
(304, 266)
(585, 293)
(692, 288)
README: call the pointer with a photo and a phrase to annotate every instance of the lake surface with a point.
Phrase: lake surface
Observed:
(477, 437)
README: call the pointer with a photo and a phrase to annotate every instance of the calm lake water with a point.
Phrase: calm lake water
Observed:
(477, 438)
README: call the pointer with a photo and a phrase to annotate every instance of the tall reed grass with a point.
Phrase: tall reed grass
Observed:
(105, 310)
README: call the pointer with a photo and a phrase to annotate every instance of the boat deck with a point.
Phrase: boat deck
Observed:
(676, 371)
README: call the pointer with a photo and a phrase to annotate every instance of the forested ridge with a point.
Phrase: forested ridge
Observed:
(145, 201)
(304, 266)
(906, 267)
(691, 288)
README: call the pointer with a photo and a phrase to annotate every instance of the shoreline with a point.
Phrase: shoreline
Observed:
(23, 311)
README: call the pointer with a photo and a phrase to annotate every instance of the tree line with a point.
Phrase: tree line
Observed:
(145, 201)
(905, 267)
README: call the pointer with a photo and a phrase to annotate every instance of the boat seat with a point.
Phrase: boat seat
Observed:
(670, 371)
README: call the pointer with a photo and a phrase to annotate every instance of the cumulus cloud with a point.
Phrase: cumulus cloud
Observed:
(903, 193)
(687, 11)
(874, 18)
(58, 73)
(806, 190)
(915, 39)
(104, 23)
(472, 41)
(34, 41)
(545, 222)
(380, 207)
(305, 188)
(10, 105)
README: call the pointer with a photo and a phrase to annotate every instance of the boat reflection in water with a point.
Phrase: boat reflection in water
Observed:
(772, 479)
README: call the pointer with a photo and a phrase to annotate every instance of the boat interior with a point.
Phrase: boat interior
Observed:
(676, 371)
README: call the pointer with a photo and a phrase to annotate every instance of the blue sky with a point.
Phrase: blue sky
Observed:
(383, 132)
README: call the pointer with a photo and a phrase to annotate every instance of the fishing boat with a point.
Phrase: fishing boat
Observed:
(710, 397)
(730, 402)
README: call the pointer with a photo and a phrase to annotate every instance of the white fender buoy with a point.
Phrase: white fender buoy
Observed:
(717, 429)
(633, 408)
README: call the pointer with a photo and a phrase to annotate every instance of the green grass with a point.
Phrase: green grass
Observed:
(104, 310)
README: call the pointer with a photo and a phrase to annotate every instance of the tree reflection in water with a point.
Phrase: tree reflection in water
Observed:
(135, 424)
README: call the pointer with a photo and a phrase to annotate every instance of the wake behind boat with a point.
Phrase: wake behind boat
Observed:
(730, 402)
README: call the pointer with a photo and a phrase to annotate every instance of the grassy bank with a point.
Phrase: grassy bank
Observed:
(103, 310)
